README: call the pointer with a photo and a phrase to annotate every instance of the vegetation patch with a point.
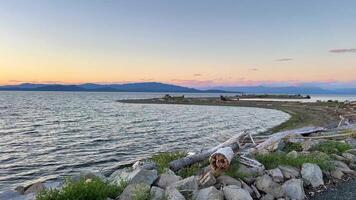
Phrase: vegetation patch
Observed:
(164, 158)
(273, 160)
(193, 169)
(331, 147)
(233, 170)
(293, 147)
(91, 189)
(142, 193)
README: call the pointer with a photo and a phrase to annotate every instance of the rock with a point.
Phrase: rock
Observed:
(250, 171)
(20, 189)
(144, 165)
(34, 188)
(276, 174)
(350, 157)
(234, 192)
(207, 180)
(255, 190)
(342, 167)
(337, 173)
(173, 194)
(339, 158)
(210, 193)
(156, 193)
(247, 188)
(130, 190)
(351, 142)
(119, 175)
(352, 151)
(289, 172)
(227, 180)
(267, 185)
(186, 186)
(312, 175)
(167, 179)
(144, 176)
(292, 154)
(91, 175)
(268, 197)
(293, 189)
(309, 144)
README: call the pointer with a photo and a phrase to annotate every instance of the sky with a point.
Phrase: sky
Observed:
(198, 43)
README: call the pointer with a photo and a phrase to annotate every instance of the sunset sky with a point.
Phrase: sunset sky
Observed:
(191, 43)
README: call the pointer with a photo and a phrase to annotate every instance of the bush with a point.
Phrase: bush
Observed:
(330, 147)
(293, 147)
(164, 158)
(273, 160)
(83, 189)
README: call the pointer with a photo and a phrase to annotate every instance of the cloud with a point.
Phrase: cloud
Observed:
(284, 59)
(253, 69)
(351, 50)
(197, 74)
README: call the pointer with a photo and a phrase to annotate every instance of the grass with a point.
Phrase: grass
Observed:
(293, 147)
(142, 193)
(193, 169)
(96, 189)
(233, 170)
(164, 158)
(331, 147)
(273, 160)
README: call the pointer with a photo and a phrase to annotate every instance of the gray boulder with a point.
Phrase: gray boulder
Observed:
(309, 144)
(173, 194)
(142, 176)
(130, 191)
(352, 151)
(246, 187)
(227, 180)
(267, 185)
(289, 172)
(119, 175)
(167, 179)
(186, 186)
(34, 188)
(337, 173)
(157, 193)
(339, 158)
(268, 197)
(293, 189)
(207, 180)
(312, 175)
(210, 193)
(234, 192)
(350, 157)
(250, 171)
(276, 174)
(293, 154)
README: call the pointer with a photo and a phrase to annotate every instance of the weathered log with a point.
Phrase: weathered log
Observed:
(275, 138)
(342, 135)
(191, 159)
(220, 160)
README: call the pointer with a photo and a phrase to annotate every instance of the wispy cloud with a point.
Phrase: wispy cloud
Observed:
(351, 50)
(253, 69)
(284, 59)
(197, 74)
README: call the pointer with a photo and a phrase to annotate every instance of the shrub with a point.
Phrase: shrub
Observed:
(96, 189)
(293, 147)
(330, 147)
(275, 159)
(164, 158)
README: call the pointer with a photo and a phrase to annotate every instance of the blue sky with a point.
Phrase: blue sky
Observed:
(194, 43)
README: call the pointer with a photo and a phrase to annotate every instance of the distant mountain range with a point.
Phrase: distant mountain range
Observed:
(91, 87)
(162, 87)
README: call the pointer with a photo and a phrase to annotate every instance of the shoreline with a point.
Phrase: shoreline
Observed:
(324, 114)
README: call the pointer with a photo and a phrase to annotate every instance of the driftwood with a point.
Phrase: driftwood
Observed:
(352, 134)
(275, 138)
(220, 160)
(191, 159)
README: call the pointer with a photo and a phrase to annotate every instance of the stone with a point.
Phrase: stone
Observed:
(156, 193)
(350, 157)
(255, 190)
(130, 190)
(34, 188)
(289, 172)
(352, 151)
(144, 165)
(337, 173)
(246, 187)
(144, 176)
(233, 192)
(227, 180)
(167, 179)
(293, 189)
(119, 175)
(20, 189)
(91, 175)
(267, 185)
(268, 197)
(250, 171)
(339, 158)
(210, 193)
(186, 186)
(207, 180)
(173, 194)
(292, 154)
(276, 174)
(351, 142)
(309, 144)
(312, 175)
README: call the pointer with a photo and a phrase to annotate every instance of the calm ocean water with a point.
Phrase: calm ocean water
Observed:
(51, 134)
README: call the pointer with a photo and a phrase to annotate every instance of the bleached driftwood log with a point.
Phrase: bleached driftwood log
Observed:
(275, 138)
(189, 160)
(220, 160)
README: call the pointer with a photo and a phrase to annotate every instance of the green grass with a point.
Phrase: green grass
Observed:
(164, 158)
(273, 160)
(193, 169)
(96, 189)
(142, 193)
(293, 147)
(331, 147)
(233, 170)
